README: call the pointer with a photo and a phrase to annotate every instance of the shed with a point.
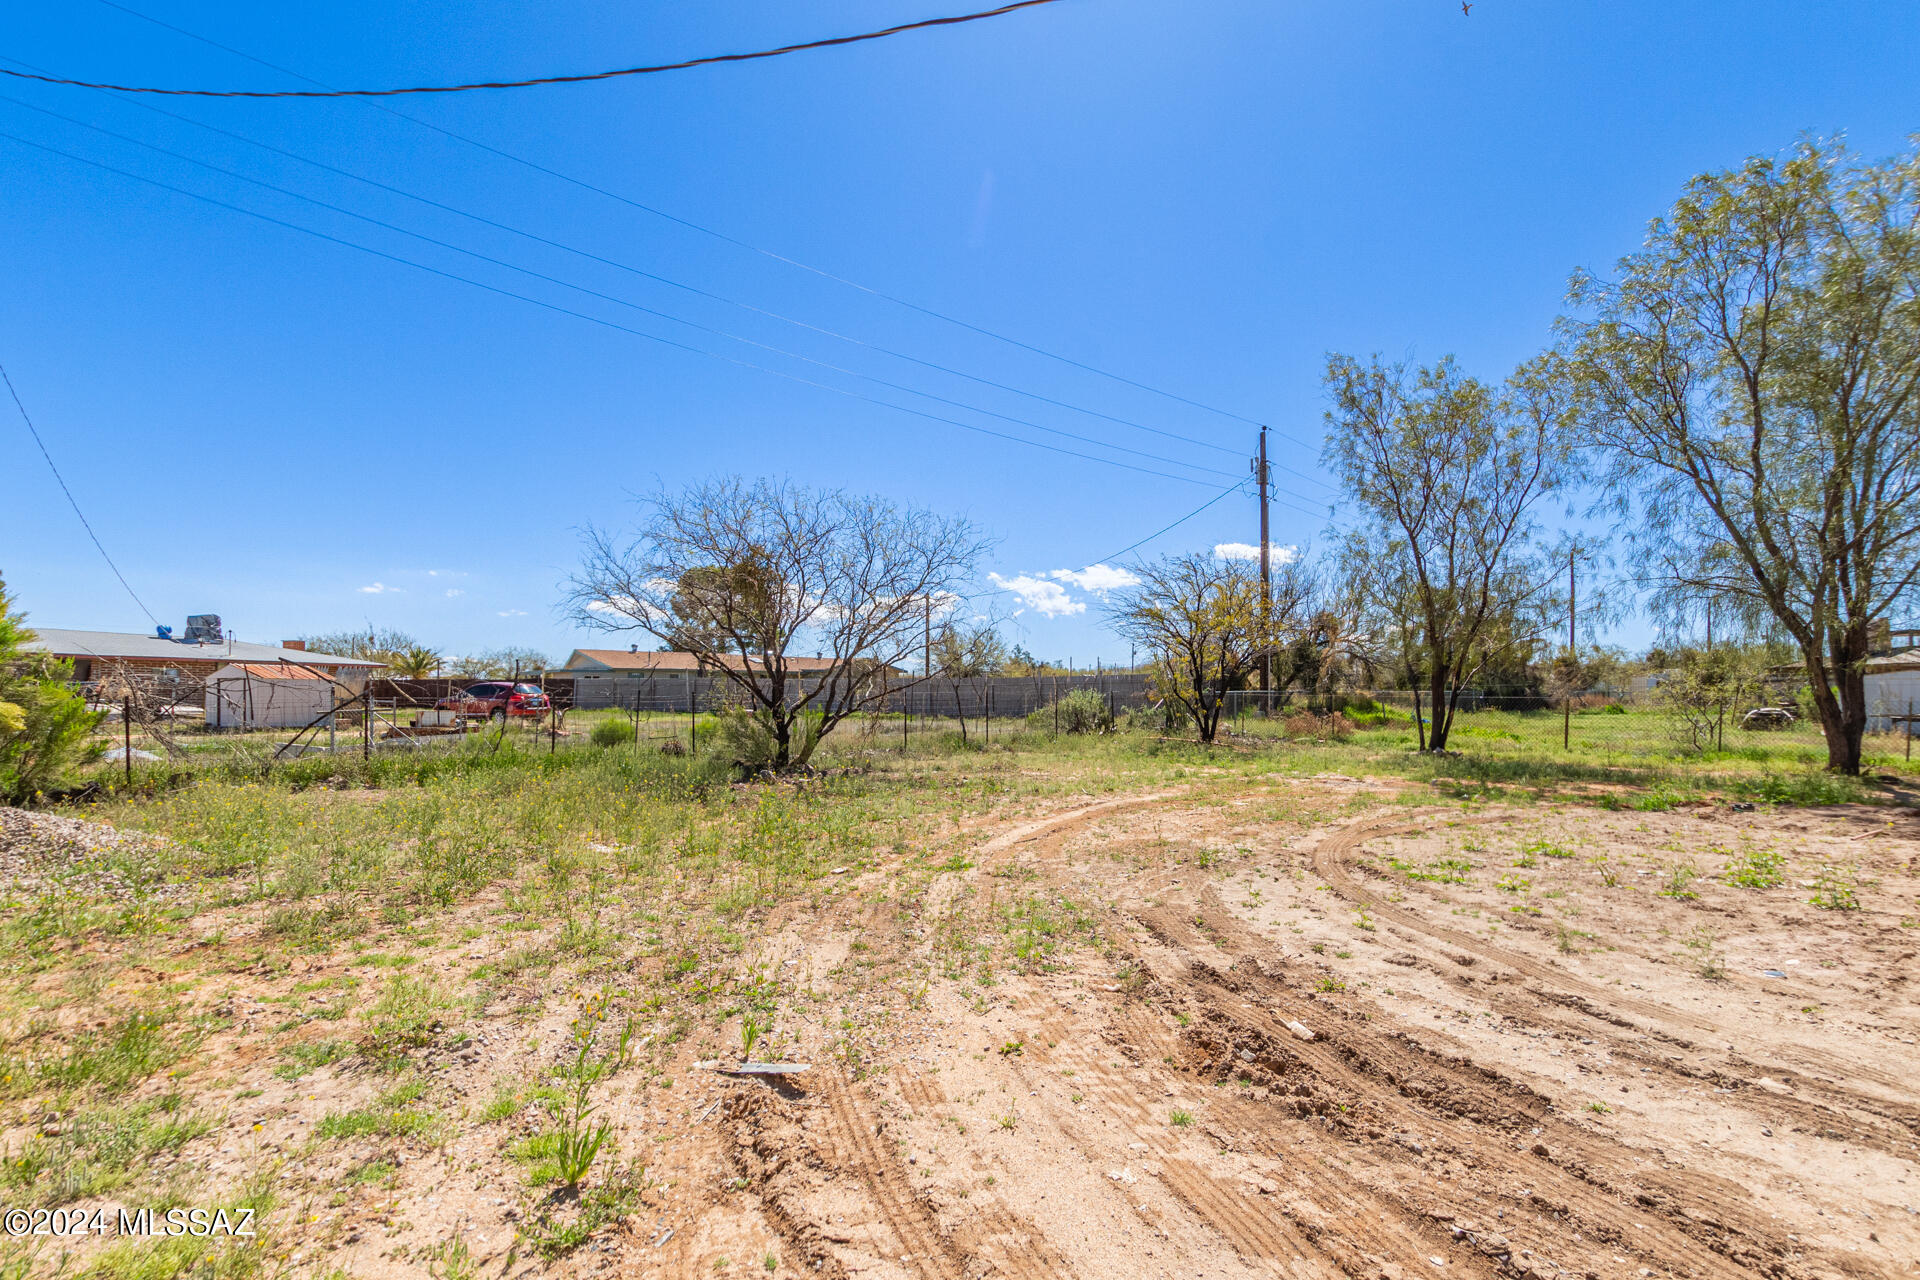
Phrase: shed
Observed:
(266, 695)
(1892, 689)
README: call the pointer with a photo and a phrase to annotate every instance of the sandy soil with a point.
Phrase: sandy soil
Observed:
(1323, 1032)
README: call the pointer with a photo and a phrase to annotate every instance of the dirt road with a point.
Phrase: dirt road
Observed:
(1414, 1041)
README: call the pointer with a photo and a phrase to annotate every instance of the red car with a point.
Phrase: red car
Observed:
(496, 700)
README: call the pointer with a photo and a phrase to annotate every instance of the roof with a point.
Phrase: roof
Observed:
(1887, 663)
(274, 671)
(120, 644)
(623, 660)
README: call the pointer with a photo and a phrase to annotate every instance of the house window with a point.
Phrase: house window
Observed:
(169, 675)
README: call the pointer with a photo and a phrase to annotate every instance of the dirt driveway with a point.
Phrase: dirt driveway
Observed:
(1301, 1027)
(1334, 1036)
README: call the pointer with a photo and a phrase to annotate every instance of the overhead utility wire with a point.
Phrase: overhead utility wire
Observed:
(649, 275)
(1235, 488)
(710, 60)
(722, 236)
(71, 500)
(618, 301)
(581, 315)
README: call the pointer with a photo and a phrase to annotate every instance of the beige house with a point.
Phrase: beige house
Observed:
(622, 677)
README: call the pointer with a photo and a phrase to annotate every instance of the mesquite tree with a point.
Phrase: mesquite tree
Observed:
(736, 572)
(1201, 620)
(1446, 472)
(1749, 380)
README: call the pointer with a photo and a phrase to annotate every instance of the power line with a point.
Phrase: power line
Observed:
(608, 297)
(71, 500)
(643, 273)
(710, 60)
(581, 315)
(722, 236)
(1235, 488)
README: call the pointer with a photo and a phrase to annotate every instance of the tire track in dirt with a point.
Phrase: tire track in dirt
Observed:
(1841, 1119)
(1251, 1234)
(763, 1145)
(1586, 997)
(1028, 831)
(1586, 1180)
(852, 1149)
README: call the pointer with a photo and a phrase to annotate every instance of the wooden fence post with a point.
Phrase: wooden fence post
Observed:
(126, 735)
(693, 722)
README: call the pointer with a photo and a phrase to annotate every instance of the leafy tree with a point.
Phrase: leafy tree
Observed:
(500, 664)
(1446, 472)
(737, 572)
(1705, 691)
(1750, 381)
(966, 651)
(43, 723)
(416, 662)
(376, 644)
(1200, 620)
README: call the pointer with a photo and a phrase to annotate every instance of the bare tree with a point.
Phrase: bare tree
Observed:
(1750, 379)
(737, 572)
(1446, 472)
(1201, 621)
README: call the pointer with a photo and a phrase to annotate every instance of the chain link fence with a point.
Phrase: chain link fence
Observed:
(1595, 722)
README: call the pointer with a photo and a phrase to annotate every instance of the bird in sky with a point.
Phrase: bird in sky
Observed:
(1466, 10)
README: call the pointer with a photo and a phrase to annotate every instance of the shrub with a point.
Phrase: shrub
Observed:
(43, 724)
(745, 738)
(615, 732)
(1305, 724)
(1085, 711)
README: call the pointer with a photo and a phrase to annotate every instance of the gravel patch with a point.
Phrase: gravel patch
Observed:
(41, 851)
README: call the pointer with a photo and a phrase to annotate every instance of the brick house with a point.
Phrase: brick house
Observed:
(183, 665)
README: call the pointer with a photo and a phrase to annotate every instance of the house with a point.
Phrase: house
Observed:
(268, 695)
(180, 666)
(619, 677)
(1892, 683)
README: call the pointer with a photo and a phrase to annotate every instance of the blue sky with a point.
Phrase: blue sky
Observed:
(1202, 197)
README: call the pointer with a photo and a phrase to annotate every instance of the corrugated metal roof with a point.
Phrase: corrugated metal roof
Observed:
(273, 671)
(119, 644)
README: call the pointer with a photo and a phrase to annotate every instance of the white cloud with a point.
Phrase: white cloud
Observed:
(1247, 551)
(377, 589)
(513, 613)
(1045, 597)
(455, 591)
(1097, 578)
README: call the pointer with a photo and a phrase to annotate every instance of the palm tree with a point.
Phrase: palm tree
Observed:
(415, 662)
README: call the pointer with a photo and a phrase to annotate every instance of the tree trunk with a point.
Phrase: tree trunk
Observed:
(1843, 719)
(782, 739)
(1442, 724)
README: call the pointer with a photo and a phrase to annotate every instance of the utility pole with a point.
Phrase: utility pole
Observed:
(1266, 573)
